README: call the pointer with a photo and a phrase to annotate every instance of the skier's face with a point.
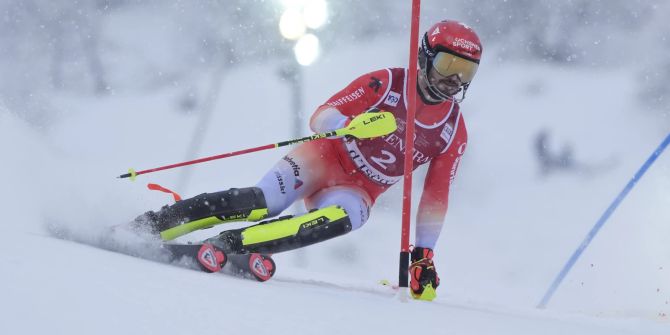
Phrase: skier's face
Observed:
(449, 85)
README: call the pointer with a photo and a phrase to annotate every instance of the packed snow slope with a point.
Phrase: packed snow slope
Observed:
(508, 232)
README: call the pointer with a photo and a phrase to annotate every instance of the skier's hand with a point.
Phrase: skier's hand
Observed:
(423, 276)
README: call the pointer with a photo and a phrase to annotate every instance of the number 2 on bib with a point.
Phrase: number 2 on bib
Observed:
(387, 158)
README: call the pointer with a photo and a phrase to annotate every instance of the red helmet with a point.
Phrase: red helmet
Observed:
(449, 47)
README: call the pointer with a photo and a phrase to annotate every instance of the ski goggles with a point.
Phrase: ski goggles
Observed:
(447, 64)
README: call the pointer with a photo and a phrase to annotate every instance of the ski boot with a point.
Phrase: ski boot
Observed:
(248, 249)
(284, 233)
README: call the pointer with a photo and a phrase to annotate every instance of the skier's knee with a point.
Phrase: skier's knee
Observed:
(358, 213)
(353, 200)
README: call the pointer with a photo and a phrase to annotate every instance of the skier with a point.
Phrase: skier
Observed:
(339, 179)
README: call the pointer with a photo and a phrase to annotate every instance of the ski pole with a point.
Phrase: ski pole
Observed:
(589, 237)
(366, 125)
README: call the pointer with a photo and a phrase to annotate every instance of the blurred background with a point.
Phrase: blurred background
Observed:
(105, 47)
(569, 101)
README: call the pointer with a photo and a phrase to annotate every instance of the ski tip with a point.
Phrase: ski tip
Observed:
(428, 293)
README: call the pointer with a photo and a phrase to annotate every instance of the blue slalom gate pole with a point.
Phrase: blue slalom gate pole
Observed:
(601, 222)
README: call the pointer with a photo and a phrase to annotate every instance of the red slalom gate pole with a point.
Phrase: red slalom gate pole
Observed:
(409, 146)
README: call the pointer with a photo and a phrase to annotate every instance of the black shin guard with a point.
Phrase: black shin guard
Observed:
(286, 233)
(231, 205)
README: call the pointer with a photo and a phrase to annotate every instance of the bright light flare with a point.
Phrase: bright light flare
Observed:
(306, 50)
(291, 24)
(315, 13)
(293, 3)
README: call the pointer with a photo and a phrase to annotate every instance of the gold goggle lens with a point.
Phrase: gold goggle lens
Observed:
(447, 64)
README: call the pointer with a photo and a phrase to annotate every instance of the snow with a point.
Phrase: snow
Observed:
(507, 234)
(113, 294)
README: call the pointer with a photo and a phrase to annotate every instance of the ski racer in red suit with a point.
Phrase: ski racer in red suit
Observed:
(340, 178)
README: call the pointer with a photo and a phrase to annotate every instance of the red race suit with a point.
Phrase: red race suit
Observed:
(440, 140)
